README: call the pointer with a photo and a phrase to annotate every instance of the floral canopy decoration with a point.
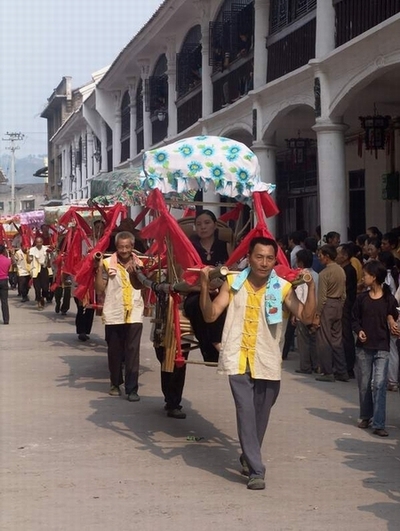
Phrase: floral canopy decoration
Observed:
(212, 163)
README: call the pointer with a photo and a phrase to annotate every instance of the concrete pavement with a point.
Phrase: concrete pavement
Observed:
(75, 458)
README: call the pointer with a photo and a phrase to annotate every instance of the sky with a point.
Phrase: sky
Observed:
(43, 40)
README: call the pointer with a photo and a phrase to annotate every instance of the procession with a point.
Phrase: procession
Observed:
(200, 265)
(225, 287)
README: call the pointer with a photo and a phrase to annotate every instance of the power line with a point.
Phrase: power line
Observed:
(13, 138)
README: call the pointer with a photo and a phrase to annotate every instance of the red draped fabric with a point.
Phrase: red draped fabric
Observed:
(165, 225)
(232, 214)
(85, 274)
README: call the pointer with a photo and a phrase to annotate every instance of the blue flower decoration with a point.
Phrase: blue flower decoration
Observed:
(201, 137)
(208, 151)
(161, 157)
(195, 167)
(186, 150)
(233, 153)
(217, 172)
(239, 188)
(178, 174)
(152, 181)
(243, 175)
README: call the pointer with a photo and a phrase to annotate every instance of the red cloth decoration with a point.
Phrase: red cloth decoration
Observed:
(233, 214)
(85, 274)
(166, 225)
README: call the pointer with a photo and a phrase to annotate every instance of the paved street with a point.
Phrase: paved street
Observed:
(75, 458)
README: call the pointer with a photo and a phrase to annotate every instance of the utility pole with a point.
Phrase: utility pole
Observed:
(12, 139)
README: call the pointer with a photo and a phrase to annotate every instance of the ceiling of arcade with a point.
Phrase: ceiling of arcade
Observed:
(381, 94)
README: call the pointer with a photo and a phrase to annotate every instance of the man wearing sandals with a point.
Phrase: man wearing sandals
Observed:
(250, 350)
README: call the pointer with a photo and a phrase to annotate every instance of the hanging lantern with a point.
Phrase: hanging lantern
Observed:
(375, 131)
(298, 148)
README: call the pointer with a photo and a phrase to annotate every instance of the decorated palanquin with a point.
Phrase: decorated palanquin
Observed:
(227, 168)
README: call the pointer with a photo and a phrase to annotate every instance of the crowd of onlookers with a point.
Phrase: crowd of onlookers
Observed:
(347, 303)
(331, 346)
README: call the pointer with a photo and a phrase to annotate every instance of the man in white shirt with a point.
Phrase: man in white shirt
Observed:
(20, 258)
(39, 260)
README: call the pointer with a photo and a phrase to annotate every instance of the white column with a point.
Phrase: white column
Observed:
(333, 200)
(117, 129)
(266, 154)
(132, 86)
(171, 72)
(103, 140)
(206, 69)
(325, 32)
(261, 29)
(147, 126)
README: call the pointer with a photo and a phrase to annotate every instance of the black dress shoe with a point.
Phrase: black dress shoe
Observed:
(82, 337)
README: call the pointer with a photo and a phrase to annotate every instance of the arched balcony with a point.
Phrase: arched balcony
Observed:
(231, 51)
(157, 100)
(188, 80)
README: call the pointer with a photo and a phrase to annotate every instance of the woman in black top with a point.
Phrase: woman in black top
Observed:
(374, 316)
(215, 252)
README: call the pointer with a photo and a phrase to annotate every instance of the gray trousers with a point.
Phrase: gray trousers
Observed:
(331, 355)
(253, 400)
(306, 345)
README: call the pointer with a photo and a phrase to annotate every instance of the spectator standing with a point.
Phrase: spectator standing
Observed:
(306, 342)
(328, 318)
(344, 260)
(390, 242)
(5, 263)
(294, 247)
(387, 259)
(311, 244)
(116, 280)
(374, 309)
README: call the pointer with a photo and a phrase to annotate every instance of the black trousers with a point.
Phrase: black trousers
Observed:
(84, 318)
(4, 300)
(172, 383)
(23, 285)
(62, 297)
(207, 334)
(123, 342)
(41, 285)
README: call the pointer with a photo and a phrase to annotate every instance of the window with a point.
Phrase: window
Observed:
(189, 62)
(1, 206)
(284, 12)
(28, 205)
(232, 33)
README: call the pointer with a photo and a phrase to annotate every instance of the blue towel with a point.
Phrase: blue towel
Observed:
(273, 295)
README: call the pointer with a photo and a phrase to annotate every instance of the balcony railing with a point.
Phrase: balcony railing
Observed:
(159, 129)
(353, 17)
(232, 85)
(189, 110)
(292, 51)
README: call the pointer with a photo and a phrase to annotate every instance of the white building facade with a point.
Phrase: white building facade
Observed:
(289, 78)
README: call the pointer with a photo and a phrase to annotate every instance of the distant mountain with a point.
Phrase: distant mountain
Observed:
(24, 168)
